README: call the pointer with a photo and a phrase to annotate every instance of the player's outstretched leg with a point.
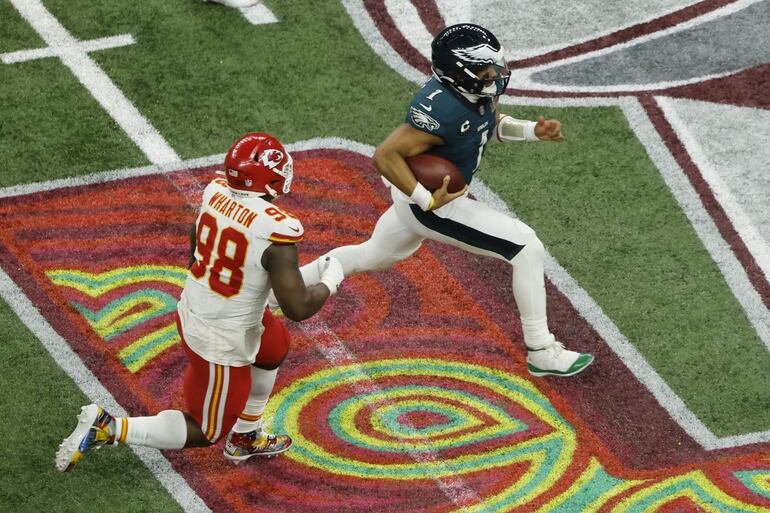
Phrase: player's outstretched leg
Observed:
(390, 243)
(476, 227)
(95, 428)
(169, 429)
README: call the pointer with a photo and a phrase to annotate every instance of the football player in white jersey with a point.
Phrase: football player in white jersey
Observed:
(243, 246)
(454, 116)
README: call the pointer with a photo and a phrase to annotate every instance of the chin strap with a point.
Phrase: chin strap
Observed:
(510, 129)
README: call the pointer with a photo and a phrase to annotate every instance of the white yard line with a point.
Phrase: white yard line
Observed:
(71, 363)
(74, 55)
(93, 45)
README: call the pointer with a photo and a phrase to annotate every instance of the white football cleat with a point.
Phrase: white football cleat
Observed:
(554, 360)
(94, 430)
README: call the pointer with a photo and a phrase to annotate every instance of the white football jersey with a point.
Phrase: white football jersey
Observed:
(226, 291)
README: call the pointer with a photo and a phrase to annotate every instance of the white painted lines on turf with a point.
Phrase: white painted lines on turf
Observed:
(94, 45)
(371, 34)
(71, 363)
(74, 55)
(690, 203)
(408, 22)
(522, 79)
(744, 225)
(620, 345)
(258, 14)
(334, 350)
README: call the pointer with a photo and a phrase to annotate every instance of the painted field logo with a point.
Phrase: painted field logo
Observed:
(435, 414)
(117, 309)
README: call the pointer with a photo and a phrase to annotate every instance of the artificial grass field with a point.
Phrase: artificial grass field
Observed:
(203, 76)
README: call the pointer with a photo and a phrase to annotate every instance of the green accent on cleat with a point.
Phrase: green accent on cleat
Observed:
(583, 361)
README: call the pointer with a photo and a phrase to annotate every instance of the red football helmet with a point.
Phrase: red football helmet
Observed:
(257, 163)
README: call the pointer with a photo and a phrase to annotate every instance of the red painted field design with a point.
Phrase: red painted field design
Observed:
(432, 411)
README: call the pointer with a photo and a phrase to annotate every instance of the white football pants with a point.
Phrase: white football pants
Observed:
(466, 224)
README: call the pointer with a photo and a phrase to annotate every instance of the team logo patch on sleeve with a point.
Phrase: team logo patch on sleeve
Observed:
(422, 120)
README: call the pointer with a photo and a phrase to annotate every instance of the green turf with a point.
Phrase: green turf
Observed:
(606, 215)
(203, 75)
(53, 128)
(310, 75)
(34, 421)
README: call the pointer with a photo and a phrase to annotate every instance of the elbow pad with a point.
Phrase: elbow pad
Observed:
(510, 129)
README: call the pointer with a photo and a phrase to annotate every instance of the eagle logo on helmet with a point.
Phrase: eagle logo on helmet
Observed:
(480, 54)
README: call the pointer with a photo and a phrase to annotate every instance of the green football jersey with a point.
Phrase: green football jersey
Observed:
(465, 127)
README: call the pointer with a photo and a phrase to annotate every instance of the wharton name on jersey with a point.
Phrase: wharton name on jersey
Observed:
(230, 208)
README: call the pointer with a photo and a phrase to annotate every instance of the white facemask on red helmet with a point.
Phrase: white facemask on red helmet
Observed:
(257, 164)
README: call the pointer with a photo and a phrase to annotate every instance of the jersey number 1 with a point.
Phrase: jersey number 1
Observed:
(233, 260)
(481, 148)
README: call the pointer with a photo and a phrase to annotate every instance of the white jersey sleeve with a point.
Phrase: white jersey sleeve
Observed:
(224, 297)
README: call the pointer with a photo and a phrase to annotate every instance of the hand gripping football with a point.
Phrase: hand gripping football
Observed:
(430, 171)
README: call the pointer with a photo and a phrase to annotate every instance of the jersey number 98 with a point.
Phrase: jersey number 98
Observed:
(208, 238)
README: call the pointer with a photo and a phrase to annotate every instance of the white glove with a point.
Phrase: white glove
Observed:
(331, 273)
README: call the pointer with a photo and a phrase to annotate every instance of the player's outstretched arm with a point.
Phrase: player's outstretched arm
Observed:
(510, 129)
(297, 301)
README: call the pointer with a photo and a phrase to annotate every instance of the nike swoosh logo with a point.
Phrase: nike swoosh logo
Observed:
(427, 107)
(294, 229)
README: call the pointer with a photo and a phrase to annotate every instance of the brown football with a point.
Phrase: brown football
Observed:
(430, 171)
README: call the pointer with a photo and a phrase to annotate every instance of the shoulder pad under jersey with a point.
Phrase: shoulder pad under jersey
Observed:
(278, 225)
(435, 109)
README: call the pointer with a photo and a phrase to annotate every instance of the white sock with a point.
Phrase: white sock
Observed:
(528, 280)
(262, 382)
(166, 430)
(536, 333)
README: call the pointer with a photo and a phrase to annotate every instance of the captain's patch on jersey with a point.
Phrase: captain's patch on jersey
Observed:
(422, 120)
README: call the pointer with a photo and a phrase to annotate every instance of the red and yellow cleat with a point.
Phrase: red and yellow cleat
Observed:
(242, 446)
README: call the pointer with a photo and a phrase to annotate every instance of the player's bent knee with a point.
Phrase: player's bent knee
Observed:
(533, 251)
